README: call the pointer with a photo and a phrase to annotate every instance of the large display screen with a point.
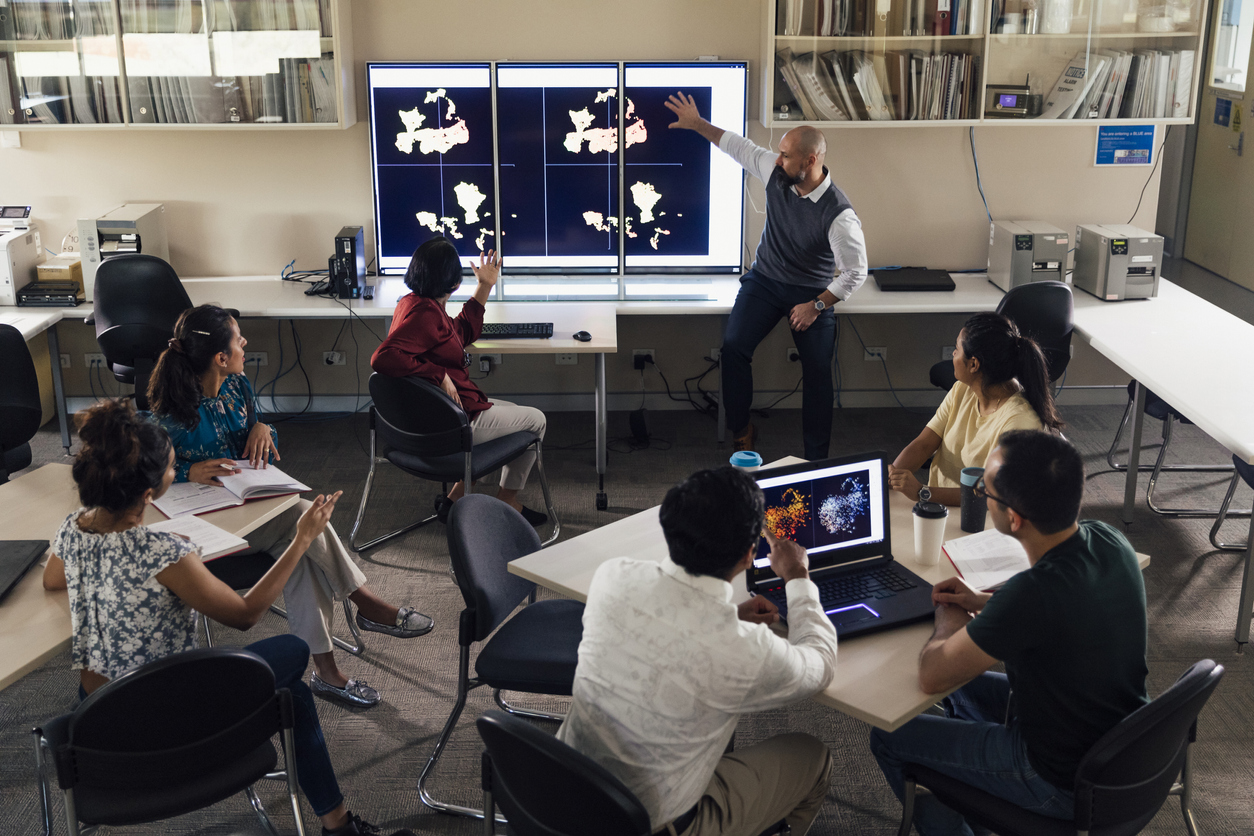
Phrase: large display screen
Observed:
(589, 176)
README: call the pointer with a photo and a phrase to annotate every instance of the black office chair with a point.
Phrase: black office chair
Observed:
(427, 435)
(21, 412)
(534, 652)
(1121, 782)
(1042, 311)
(136, 301)
(546, 788)
(1156, 407)
(173, 736)
(243, 570)
(1244, 471)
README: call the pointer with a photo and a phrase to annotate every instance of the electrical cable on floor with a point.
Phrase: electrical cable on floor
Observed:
(762, 410)
(887, 376)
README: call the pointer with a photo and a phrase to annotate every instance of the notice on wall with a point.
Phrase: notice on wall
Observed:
(1223, 112)
(1125, 145)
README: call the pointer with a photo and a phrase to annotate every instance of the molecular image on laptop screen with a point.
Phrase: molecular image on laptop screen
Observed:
(821, 513)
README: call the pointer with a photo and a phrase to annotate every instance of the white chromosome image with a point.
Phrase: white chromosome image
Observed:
(839, 513)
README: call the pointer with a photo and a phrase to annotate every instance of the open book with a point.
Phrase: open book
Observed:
(208, 539)
(988, 559)
(186, 498)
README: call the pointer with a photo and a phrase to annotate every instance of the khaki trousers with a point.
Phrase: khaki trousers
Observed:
(785, 777)
(325, 574)
(501, 420)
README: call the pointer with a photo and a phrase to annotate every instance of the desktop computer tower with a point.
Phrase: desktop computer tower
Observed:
(348, 265)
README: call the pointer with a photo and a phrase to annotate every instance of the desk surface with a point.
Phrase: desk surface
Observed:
(32, 321)
(1192, 354)
(35, 623)
(270, 297)
(877, 676)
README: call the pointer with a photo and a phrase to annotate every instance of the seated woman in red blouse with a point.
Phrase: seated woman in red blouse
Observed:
(425, 341)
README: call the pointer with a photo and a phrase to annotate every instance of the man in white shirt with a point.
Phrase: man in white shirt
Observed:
(668, 664)
(811, 256)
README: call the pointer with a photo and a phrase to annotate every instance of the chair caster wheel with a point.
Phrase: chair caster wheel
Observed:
(603, 501)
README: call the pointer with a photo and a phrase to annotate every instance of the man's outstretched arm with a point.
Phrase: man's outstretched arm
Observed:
(688, 117)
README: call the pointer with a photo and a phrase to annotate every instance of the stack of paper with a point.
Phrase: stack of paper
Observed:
(210, 541)
(988, 559)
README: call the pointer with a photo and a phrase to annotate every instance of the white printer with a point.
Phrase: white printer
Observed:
(130, 228)
(1021, 252)
(1117, 261)
(20, 252)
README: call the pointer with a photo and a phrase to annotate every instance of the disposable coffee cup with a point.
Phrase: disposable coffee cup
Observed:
(929, 528)
(973, 508)
(746, 460)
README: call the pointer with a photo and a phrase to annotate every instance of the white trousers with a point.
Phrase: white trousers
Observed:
(325, 574)
(505, 418)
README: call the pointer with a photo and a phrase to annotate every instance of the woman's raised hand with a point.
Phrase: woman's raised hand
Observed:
(489, 268)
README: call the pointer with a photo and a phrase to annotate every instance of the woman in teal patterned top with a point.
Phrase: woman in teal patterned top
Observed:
(200, 395)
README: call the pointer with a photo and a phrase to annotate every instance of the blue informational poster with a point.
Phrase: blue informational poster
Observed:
(1223, 112)
(1125, 145)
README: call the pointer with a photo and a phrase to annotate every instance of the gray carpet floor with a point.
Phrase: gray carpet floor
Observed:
(378, 754)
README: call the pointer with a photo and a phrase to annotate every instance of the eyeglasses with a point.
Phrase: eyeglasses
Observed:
(981, 490)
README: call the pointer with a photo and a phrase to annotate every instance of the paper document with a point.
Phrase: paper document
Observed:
(988, 559)
(254, 483)
(188, 498)
(209, 540)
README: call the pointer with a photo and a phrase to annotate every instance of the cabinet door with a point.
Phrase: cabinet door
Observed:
(1221, 202)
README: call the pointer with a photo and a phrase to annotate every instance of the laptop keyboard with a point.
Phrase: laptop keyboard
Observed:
(873, 583)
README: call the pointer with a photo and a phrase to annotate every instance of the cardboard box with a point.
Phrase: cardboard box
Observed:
(66, 267)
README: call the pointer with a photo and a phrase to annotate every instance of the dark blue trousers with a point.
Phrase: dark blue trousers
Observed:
(759, 306)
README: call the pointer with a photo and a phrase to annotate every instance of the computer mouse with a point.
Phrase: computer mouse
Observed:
(582, 336)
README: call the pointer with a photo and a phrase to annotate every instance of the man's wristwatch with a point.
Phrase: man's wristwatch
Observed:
(819, 305)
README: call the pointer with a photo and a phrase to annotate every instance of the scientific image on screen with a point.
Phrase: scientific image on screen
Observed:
(431, 135)
(684, 196)
(842, 508)
(558, 145)
(823, 514)
(790, 513)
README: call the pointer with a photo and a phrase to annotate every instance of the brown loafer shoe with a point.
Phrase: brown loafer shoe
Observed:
(745, 439)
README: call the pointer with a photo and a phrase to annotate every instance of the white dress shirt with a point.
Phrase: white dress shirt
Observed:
(845, 233)
(666, 667)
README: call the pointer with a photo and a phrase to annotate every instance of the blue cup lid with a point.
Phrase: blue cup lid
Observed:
(746, 458)
(971, 475)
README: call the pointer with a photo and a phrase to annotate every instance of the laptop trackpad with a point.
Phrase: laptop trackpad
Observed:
(851, 615)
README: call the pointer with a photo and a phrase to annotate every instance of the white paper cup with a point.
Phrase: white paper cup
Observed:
(929, 534)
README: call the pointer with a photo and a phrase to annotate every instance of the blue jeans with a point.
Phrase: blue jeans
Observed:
(288, 656)
(760, 305)
(973, 745)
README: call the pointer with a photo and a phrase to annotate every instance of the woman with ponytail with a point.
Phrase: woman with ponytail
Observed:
(132, 590)
(201, 396)
(1003, 384)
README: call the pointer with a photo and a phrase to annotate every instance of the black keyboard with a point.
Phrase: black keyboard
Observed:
(516, 330)
(873, 583)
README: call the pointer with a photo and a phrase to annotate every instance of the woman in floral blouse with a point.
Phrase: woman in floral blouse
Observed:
(132, 590)
(202, 398)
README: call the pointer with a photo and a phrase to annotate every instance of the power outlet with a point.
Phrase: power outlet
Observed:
(793, 356)
(260, 358)
(567, 359)
(874, 353)
(947, 352)
(495, 359)
(641, 357)
(65, 361)
(716, 354)
(90, 359)
(333, 358)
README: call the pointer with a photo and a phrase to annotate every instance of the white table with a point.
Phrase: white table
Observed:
(33, 321)
(271, 298)
(877, 676)
(1192, 354)
(35, 623)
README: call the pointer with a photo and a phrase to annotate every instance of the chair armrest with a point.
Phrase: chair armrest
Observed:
(90, 319)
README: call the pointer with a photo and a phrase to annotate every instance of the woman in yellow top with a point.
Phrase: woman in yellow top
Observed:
(1002, 385)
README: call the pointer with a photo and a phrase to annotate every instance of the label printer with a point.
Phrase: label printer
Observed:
(20, 252)
(1021, 252)
(1117, 261)
(131, 228)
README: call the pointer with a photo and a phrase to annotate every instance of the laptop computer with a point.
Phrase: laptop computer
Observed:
(16, 557)
(838, 509)
(912, 278)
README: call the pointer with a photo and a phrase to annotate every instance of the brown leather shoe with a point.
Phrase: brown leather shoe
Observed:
(745, 439)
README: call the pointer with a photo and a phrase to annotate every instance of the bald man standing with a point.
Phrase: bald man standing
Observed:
(811, 256)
